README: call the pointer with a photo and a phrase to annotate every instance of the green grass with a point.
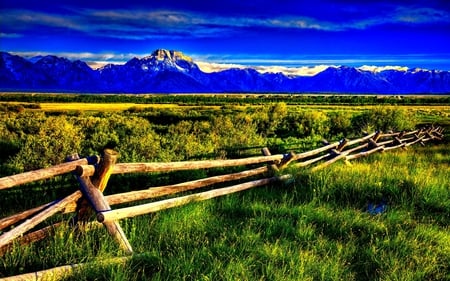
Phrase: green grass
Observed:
(316, 228)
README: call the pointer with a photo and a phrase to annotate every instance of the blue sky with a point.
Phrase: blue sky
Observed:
(291, 33)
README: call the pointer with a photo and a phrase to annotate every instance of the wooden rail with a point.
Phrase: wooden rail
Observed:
(126, 168)
(113, 215)
(59, 272)
(94, 172)
(41, 174)
(9, 236)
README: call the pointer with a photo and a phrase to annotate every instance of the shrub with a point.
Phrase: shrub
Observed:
(340, 123)
(309, 123)
(135, 109)
(133, 137)
(55, 139)
(384, 119)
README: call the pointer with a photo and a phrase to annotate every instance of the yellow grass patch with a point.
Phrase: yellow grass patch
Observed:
(99, 106)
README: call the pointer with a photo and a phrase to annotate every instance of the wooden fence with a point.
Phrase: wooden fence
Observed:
(94, 172)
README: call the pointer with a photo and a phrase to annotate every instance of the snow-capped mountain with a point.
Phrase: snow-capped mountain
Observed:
(162, 71)
(171, 71)
(349, 78)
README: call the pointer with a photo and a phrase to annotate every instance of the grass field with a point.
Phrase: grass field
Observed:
(317, 227)
(426, 113)
(78, 106)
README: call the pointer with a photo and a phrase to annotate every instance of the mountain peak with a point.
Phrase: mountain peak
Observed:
(162, 54)
(171, 71)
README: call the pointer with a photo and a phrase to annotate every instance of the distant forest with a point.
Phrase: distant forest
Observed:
(234, 99)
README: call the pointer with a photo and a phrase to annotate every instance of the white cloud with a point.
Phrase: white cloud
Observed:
(83, 55)
(209, 67)
(295, 71)
(10, 35)
(94, 60)
(21, 19)
(402, 15)
(290, 71)
(420, 15)
(140, 24)
(374, 68)
(96, 64)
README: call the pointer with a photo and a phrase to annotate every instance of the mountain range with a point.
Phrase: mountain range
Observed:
(173, 72)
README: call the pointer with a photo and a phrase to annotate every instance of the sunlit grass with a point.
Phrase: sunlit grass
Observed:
(102, 106)
(316, 228)
(124, 106)
(427, 111)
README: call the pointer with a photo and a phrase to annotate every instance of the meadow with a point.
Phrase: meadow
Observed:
(316, 227)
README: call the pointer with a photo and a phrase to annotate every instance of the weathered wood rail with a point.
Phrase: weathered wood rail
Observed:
(94, 172)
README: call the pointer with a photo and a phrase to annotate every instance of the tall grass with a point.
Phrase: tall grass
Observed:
(316, 228)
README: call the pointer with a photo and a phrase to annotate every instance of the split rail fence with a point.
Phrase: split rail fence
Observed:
(94, 172)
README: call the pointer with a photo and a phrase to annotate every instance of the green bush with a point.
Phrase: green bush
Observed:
(132, 136)
(340, 124)
(217, 137)
(310, 123)
(55, 139)
(384, 119)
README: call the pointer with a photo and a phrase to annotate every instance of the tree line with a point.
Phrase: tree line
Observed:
(222, 99)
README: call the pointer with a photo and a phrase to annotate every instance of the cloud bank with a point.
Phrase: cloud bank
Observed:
(289, 71)
(142, 24)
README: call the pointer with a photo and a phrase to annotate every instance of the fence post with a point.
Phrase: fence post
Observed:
(103, 172)
(98, 202)
(99, 180)
(342, 144)
(272, 167)
(288, 158)
(93, 193)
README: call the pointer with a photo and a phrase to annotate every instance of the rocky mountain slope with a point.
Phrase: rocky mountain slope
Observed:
(173, 72)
